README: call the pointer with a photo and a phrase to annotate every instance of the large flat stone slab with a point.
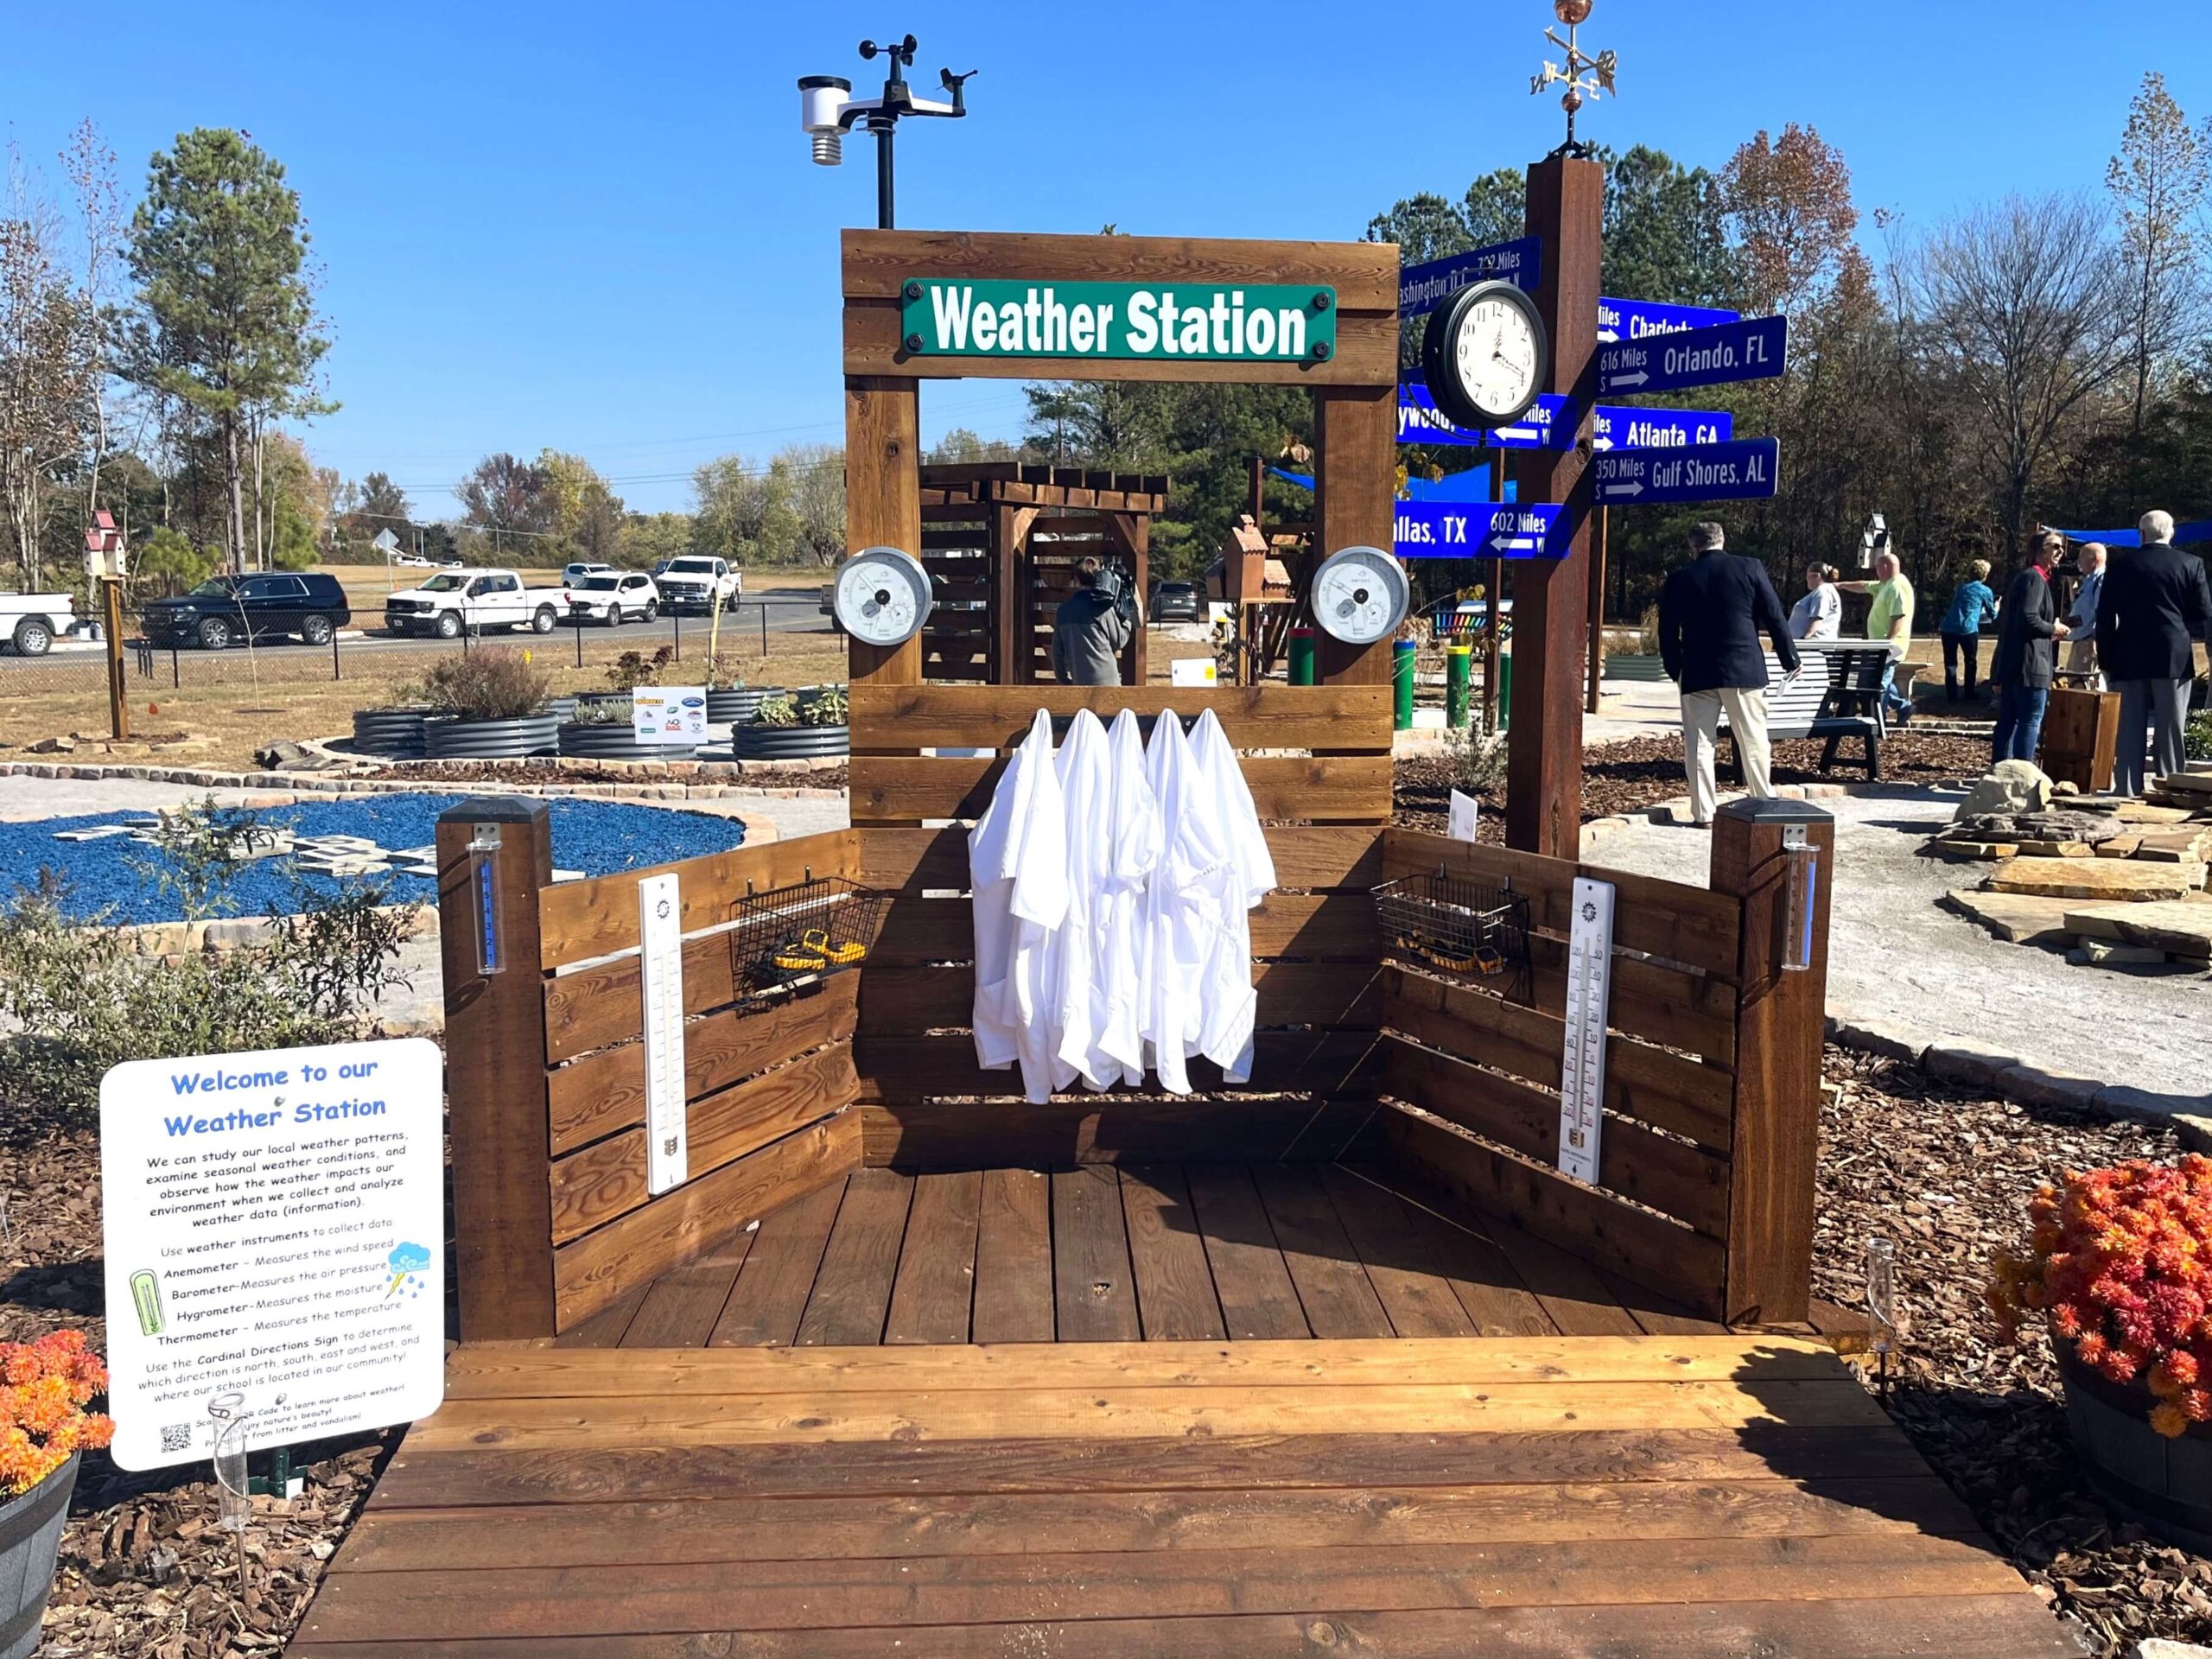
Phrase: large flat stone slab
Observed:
(2017, 917)
(2149, 812)
(2181, 927)
(2096, 878)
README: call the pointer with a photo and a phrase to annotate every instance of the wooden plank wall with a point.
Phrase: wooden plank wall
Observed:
(1483, 1072)
(958, 551)
(768, 1087)
(1315, 946)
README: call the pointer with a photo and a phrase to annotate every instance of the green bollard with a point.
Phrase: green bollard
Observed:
(1459, 664)
(1402, 683)
(1505, 692)
(1301, 656)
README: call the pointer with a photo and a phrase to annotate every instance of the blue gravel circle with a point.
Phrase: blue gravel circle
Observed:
(598, 838)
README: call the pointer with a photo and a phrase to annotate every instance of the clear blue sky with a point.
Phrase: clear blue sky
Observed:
(596, 228)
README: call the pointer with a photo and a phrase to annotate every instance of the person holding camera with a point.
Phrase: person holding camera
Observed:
(1092, 627)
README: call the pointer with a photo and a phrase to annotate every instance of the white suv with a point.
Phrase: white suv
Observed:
(613, 598)
(697, 583)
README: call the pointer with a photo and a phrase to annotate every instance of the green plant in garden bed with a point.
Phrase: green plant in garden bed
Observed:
(74, 1002)
(828, 706)
(777, 710)
(602, 711)
(1475, 760)
(488, 683)
(633, 668)
(197, 851)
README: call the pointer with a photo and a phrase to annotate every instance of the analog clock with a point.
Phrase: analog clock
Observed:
(1359, 596)
(1485, 355)
(882, 596)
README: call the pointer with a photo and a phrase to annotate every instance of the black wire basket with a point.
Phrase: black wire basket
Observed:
(1471, 928)
(793, 936)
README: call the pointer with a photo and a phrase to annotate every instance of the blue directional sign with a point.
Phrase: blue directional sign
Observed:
(1704, 471)
(1454, 530)
(1549, 425)
(1703, 357)
(1619, 427)
(1640, 318)
(1422, 289)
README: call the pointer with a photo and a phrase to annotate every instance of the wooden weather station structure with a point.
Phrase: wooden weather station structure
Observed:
(888, 1359)
(1001, 540)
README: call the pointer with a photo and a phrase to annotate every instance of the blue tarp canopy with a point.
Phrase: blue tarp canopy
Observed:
(1473, 485)
(2183, 534)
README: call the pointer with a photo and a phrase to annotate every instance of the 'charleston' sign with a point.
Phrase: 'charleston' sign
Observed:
(1251, 323)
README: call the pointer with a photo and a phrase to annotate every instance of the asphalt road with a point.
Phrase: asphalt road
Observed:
(789, 612)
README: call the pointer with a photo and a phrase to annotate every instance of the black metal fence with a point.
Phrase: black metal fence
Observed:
(77, 666)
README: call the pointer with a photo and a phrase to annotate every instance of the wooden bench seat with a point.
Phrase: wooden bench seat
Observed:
(1837, 695)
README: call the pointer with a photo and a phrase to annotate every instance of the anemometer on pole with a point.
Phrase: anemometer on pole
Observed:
(827, 111)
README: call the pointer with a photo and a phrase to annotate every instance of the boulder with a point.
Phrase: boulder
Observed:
(2179, 928)
(2009, 786)
(2021, 918)
(2096, 878)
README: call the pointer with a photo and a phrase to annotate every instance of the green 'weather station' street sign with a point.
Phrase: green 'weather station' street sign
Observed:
(1274, 324)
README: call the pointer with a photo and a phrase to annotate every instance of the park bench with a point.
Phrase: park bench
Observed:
(1837, 695)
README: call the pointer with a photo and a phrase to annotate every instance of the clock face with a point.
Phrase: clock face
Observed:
(1359, 596)
(1485, 355)
(882, 596)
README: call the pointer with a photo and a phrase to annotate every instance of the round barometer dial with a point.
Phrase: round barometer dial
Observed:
(882, 596)
(1485, 355)
(1359, 596)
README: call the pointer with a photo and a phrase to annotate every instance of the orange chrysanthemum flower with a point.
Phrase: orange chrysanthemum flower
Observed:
(44, 1387)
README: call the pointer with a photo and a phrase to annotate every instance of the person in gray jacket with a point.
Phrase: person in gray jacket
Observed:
(1090, 630)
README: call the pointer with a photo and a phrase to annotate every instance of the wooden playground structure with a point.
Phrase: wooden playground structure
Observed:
(1335, 1361)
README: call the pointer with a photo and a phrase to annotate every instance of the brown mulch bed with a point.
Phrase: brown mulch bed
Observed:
(143, 1572)
(1947, 1176)
(1623, 779)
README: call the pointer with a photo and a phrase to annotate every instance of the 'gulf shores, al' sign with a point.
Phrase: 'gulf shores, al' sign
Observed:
(952, 318)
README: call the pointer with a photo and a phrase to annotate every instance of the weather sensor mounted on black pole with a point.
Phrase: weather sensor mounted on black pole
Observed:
(827, 111)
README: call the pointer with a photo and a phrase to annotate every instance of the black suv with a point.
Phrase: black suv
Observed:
(220, 610)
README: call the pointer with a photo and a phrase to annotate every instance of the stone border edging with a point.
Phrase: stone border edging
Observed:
(216, 934)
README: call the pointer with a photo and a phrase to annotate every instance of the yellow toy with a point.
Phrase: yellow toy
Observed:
(815, 951)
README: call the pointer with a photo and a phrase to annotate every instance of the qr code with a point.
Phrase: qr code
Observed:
(176, 1437)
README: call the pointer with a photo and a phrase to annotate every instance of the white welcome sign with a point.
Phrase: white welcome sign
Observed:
(275, 1238)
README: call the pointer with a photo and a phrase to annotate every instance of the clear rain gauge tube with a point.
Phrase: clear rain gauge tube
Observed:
(1881, 1298)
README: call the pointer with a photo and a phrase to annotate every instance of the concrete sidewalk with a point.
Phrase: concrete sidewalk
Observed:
(1900, 964)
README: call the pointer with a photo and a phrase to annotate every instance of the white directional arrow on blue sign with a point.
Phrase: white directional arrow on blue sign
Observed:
(1701, 357)
(1704, 471)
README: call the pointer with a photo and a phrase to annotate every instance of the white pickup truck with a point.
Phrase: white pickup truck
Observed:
(454, 601)
(694, 582)
(32, 622)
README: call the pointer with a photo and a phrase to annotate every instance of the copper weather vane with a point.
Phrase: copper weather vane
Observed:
(1584, 76)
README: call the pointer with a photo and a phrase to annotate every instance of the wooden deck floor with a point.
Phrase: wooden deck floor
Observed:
(1622, 1497)
(1194, 1252)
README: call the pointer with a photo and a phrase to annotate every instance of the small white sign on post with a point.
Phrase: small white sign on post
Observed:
(669, 714)
(1193, 670)
(1589, 990)
(275, 1239)
(1459, 825)
(660, 962)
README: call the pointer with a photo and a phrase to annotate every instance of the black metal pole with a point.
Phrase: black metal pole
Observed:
(884, 214)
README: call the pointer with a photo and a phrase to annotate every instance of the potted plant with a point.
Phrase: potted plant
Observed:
(1643, 663)
(602, 729)
(44, 1428)
(730, 702)
(805, 726)
(2119, 1268)
(490, 704)
(394, 728)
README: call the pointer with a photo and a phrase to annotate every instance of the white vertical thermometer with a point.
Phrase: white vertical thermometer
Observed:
(1589, 988)
(660, 965)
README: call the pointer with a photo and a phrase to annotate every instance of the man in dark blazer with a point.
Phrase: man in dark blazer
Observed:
(1711, 614)
(2156, 603)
